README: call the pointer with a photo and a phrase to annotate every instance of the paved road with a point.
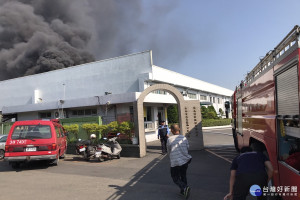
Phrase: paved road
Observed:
(125, 179)
(219, 142)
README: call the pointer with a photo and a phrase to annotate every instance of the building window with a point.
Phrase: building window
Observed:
(210, 99)
(214, 100)
(192, 96)
(80, 112)
(159, 92)
(45, 115)
(131, 113)
(86, 112)
(202, 97)
(219, 101)
(148, 114)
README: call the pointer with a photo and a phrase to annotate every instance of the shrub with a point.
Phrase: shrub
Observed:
(125, 127)
(104, 130)
(172, 113)
(73, 128)
(113, 126)
(209, 112)
(91, 128)
(215, 122)
(221, 112)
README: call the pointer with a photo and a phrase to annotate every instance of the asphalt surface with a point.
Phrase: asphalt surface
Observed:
(124, 179)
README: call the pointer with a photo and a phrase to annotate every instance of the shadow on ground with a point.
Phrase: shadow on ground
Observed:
(33, 165)
(207, 176)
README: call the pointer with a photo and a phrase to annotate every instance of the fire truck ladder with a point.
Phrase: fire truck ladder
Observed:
(273, 56)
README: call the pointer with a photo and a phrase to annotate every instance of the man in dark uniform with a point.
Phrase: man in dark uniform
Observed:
(163, 134)
(248, 169)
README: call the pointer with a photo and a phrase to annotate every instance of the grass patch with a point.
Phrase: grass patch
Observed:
(215, 122)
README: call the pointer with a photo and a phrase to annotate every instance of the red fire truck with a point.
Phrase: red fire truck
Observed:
(265, 112)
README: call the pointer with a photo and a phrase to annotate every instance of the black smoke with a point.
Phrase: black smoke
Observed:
(38, 36)
(42, 35)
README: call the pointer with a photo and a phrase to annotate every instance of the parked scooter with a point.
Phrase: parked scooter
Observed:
(80, 146)
(109, 150)
(87, 148)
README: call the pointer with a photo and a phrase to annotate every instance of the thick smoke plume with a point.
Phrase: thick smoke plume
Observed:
(42, 35)
(39, 36)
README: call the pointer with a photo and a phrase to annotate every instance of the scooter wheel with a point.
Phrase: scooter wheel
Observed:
(119, 156)
(100, 159)
(85, 156)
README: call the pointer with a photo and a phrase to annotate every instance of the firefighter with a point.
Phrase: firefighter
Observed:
(163, 134)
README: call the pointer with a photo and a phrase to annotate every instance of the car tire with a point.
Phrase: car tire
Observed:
(63, 156)
(235, 140)
(15, 165)
(56, 161)
(2, 153)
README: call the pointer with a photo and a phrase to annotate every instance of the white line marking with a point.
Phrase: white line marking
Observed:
(218, 156)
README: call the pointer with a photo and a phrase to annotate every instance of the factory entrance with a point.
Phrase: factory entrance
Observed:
(189, 116)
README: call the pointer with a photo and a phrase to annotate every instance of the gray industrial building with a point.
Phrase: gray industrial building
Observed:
(104, 88)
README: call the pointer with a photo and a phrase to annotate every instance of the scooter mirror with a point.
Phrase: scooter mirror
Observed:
(105, 138)
(118, 134)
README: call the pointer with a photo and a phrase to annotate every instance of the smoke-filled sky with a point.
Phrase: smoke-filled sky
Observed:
(215, 41)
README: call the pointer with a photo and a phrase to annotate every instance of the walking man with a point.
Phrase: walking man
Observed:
(163, 134)
(177, 146)
(248, 169)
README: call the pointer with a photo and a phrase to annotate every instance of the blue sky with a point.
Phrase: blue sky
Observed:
(224, 38)
(217, 41)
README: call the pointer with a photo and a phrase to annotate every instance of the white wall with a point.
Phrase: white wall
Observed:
(151, 136)
(168, 76)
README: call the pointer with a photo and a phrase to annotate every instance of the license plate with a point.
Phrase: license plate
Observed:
(30, 148)
(81, 150)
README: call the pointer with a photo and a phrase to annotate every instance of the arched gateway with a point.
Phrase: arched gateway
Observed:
(189, 117)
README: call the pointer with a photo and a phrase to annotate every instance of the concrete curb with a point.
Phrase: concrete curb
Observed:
(216, 127)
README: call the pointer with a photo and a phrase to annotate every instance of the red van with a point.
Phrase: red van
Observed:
(35, 140)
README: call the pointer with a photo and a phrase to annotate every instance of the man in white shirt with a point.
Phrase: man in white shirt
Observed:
(177, 146)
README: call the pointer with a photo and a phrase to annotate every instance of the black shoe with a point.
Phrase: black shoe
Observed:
(186, 192)
(181, 192)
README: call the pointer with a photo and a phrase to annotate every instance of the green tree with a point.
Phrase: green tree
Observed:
(172, 112)
(91, 129)
(204, 112)
(73, 128)
(209, 112)
(126, 127)
(212, 114)
(104, 130)
(113, 126)
(221, 112)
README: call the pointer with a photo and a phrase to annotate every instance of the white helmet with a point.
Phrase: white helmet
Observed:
(93, 136)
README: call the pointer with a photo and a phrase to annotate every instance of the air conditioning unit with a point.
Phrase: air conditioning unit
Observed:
(184, 93)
